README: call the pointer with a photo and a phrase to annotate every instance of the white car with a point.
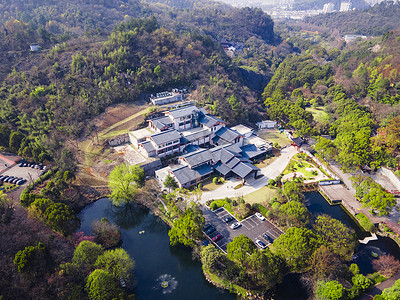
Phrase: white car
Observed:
(236, 225)
(260, 216)
(261, 244)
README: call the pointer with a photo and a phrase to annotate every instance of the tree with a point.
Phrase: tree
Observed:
(62, 218)
(325, 264)
(86, 254)
(295, 213)
(68, 176)
(267, 268)
(297, 246)
(392, 293)
(124, 182)
(187, 228)
(101, 285)
(16, 138)
(211, 258)
(31, 260)
(170, 183)
(292, 191)
(336, 236)
(105, 233)
(6, 208)
(240, 248)
(117, 262)
(326, 148)
(387, 265)
(330, 290)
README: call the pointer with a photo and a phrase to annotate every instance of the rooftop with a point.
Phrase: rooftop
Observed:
(184, 174)
(226, 134)
(198, 157)
(209, 121)
(141, 133)
(165, 136)
(183, 111)
(242, 129)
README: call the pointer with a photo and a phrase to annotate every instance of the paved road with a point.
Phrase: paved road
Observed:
(270, 171)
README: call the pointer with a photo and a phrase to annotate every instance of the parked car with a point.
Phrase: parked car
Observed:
(21, 181)
(2, 177)
(228, 219)
(236, 225)
(15, 180)
(260, 216)
(9, 179)
(217, 238)
(205, 228)
(261, 244)
(268, 238)
(20, 164)
(43, 172)
(5, 177)
(210, 230)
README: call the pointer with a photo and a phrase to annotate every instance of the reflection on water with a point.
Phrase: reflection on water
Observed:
(317, 205)
(145, 238)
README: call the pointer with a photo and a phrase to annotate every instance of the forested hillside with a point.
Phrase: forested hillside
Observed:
(374, 20)
(349, 96)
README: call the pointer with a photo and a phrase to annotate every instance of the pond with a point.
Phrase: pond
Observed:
(155, 260)
(317, 205)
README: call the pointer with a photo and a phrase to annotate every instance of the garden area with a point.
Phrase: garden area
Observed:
(302, 166)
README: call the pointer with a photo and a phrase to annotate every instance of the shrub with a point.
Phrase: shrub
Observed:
(106, 234)
(365, 222)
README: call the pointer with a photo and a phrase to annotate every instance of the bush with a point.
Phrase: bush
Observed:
(213, 205)
(106, 234)
(365, 222)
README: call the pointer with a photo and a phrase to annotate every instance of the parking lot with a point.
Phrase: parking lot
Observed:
(252, 227)
(27, 173)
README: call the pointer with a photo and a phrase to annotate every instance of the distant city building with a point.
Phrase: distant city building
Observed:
(35, 47)
(328, 7)
(345, 6)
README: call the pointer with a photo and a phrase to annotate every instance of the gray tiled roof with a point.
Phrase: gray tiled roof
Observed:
(183, 111)
(184, 174)
(209, 121)
(162, 122)
(227, 134)
(148, 146)
(250, 151)
(190, 148)
(243, 169)
(201, 133)
(198, 157)
(165, 136)
(221, 168)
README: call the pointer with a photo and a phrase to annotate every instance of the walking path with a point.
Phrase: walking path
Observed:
(365, 241)
(270, 171)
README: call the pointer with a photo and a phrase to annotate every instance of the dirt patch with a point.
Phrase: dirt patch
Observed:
(117, 113)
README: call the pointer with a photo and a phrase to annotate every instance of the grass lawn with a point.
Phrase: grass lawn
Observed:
(295, 164)
(319, 113)
(208, 186)
(273, 135)
(265, 194)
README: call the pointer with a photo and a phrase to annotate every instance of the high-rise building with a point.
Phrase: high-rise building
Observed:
(345, 6)
(328, 7)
